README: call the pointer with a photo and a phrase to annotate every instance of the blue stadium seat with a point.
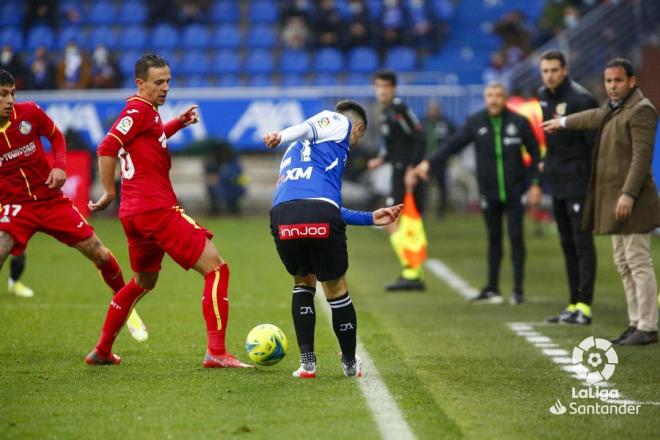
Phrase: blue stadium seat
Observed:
(263, 11)
(363, 59)
(12, 36)
(261, 80)
(195, 36)
(293, 80)
(375, 8)
(103, 35)
(172, 59)
(71, 12)
(127, 63)
(195, 81)
(128, 82)
(164, 36)
(294, 61)
(229, 81)
(194, 62)
(226, 36)
(261, 36)
(358, 79)
(326, 79)
(11, 14)
(132, 37)
(101, 12)
(331, 60)
(225, 11)
(401, 59)
(226, 62)
(40, 36)
(132, 12)
(259, 61)
(70, 33)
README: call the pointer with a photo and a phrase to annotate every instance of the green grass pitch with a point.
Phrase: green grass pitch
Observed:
(455, 370)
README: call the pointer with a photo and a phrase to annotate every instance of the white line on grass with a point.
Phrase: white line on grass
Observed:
(387, 415)
(440, 270)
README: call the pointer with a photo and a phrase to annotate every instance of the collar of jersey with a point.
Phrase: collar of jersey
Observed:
(136, 97)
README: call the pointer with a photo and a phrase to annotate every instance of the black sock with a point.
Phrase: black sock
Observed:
(304, 317)
(17, 266)
(344, 322)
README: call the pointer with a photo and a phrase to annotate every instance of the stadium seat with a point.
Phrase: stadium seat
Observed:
(132, 38)
(363, 59)
(224, 11)
(194, 62)
(127, 63)
(229, 81)
(401, 59)
(195, 36)
(70, 33)
(172, 59)
(259, 61)
(331, 60)
(11, 15)
(261, 80)
(128, 82)
(263, 11)
(12, 36)
(132, 12)
(40, 36)
(294, 61)
(326, 79)
(226, 62)
(293, 80)
(101, 12)
(164, 36)
(102, 35)
(226, 36)
(261, 36)
(195, 81)
(358, 79)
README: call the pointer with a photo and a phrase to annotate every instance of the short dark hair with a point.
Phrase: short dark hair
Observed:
(554, 54)
(386, 75)
(623, 63)
(6, 78)
(147, 61)
(344, 107)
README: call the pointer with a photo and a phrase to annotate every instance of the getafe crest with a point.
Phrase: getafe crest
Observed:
(511, 130)
(561, 109)
(25, 127)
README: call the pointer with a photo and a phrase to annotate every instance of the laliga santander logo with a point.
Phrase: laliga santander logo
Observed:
(595, 359)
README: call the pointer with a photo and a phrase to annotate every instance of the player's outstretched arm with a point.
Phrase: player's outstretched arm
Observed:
(187, 117)
(107, 173)
(386, 216)
(292, 134)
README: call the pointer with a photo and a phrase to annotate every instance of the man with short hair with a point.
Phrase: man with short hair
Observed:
(153, 223)
(499, 135)
(403, 147)
(622, 200)
(308, 225)
(566, 167)
(31, 199)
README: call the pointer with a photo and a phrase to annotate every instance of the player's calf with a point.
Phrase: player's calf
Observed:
(6, 245)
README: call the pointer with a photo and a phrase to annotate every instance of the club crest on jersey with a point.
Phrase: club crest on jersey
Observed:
(561, 109)
(324, 122)
(125, 125)
(25, 127)
(511, 130)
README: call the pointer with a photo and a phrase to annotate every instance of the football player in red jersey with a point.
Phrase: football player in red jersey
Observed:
(153, 223)
(30, 196)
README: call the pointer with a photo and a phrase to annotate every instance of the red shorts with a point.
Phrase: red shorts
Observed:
(151, 234)
(55, 217)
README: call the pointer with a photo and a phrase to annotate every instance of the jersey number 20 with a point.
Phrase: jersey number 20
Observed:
(126, 165)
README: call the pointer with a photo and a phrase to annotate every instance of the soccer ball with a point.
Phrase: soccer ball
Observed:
(266, 345)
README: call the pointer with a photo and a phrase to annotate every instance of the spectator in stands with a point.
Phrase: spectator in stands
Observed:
(13, 63)
(438, 129)
(162, 11)
(193, 11)
(425, 28)
(224, 179)
(41, 75)
(43, 12)
(295, 34)
(393, 24)
(71, 13)
(514, 31)
(298, 8)
(497, 71)
(103, 70)
(328, 25)
(359, 33)
(73, 70)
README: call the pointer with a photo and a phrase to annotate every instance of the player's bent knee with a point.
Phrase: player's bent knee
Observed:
(147, 280)
(6, 245)
(307, 280)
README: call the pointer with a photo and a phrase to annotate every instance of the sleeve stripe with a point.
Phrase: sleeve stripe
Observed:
(54, 128)
(316, 135)
(116, 137)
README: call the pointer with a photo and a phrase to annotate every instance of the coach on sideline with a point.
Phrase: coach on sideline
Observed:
(622, 199)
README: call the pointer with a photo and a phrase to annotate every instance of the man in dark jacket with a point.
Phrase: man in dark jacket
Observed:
(499, 135)
(566, 168)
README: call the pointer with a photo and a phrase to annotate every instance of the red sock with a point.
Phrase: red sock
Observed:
(120, 306)
(215, 308)
(111, 273)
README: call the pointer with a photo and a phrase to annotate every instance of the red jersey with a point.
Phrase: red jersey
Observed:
(139, 139)
(24, 166)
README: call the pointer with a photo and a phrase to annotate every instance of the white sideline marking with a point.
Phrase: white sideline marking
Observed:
(440, 269)
(384, 410)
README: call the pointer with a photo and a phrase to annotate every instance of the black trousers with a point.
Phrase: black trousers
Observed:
(493, 212)
(578, 247)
